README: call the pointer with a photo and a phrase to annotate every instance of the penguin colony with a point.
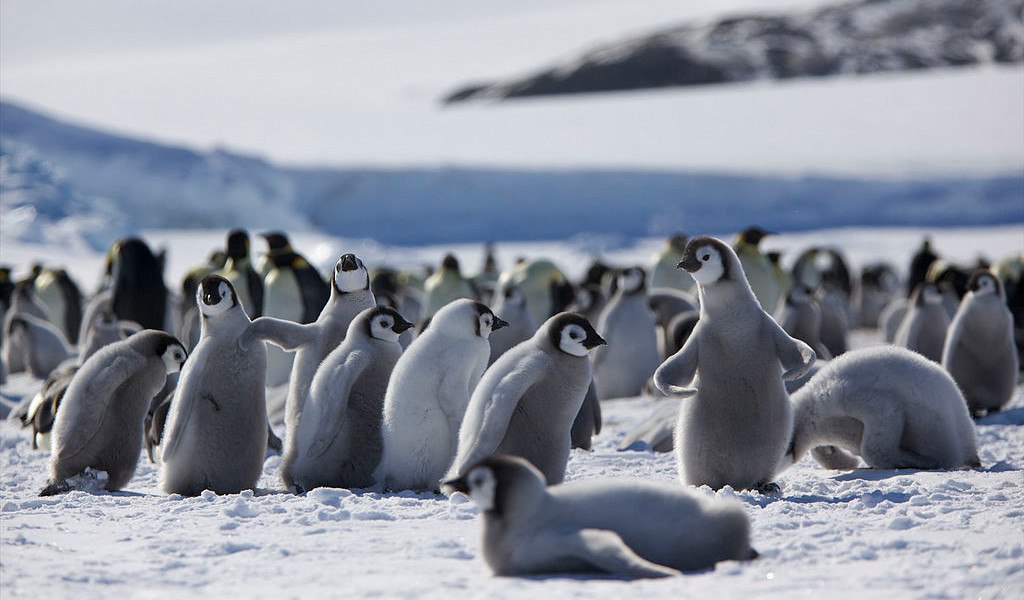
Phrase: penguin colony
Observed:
(483, 384)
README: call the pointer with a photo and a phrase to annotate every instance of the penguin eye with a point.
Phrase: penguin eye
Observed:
(385, 323)
(706, 257)
(574, 335)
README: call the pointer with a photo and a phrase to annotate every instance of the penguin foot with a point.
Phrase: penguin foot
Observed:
(769, 489)
(54, 488)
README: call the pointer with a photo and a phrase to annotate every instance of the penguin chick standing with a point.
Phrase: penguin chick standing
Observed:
(890, 406)
(216, 432)
(512, 306)
(735, 428)
(800, 317)
(979, 351)
(100, 421)
(593, 526)
(428, 393)
(338, 441)
(527, 401)
(923, 328)
(621, 369)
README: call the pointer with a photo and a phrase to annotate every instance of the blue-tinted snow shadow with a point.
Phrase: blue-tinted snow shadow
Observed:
(1013, 416)
(874, 474)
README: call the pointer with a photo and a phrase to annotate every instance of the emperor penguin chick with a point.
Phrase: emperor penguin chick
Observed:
(923, 328)
(428, 393)
(99, 424)
(338, 440)
(527, 401)
(887, 405)
(511, 305)
(592, 526)
(735, 426)
(622, 368)
(980, 352)
(216, 432)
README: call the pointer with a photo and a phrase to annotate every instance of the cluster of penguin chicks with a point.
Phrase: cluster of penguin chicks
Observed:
(490, 400)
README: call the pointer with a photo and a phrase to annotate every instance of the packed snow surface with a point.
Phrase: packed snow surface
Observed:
(862, 533)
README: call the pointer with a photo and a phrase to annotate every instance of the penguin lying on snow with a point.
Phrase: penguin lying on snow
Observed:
(592, 526)
(892, 407)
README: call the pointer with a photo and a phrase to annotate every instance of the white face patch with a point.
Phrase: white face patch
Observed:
(486, 321)
(986, 287)
(571, 340)
(221, 306)
(631, 280)
(932, 295)
(711, 267)
(482, 486)
(173, 358)
(351, 281)
(380, 328)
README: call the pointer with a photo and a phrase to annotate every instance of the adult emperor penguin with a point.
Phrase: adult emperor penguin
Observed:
(428, 393)
(887, 405)
(216, 432)
(62, 301)
(239, 271)
(511, 305)
(758, 269)
(735, 426)
(979, 351)
(312, 342)
(527, 401)
(629, 360)
(919, 266)
(800, 317)
(923, 328)
(338, 441)
(137, 282)
(294, 291)
(593, 526)
(445, 285)
(99, 425)
(664, 273)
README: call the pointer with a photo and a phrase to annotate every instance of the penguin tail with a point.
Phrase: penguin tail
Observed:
(54, 488)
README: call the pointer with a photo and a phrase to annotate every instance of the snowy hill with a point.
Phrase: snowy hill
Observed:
(124, 185)
(868, 36)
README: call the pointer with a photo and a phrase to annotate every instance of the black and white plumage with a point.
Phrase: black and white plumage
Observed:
(428, 394)
(216, 432)
(979, 350)
(891, 407)
(734, 424)
(527, 400)
(137, 284)
(338, 441)
(99, 425)
(238, 270)
(625, 527)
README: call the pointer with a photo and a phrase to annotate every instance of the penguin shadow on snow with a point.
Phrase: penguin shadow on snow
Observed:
(1010, 416)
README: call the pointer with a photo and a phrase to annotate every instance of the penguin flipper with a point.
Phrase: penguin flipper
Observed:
(487, 418)
(680, 368)
(286, 334)
(602, 549)
(326, 410)
(796, 357)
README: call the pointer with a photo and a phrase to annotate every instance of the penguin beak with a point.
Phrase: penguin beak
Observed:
(593, 341)
(498, 323)
(348, 262)
(690, 263)
(401, 325)
(459, 484)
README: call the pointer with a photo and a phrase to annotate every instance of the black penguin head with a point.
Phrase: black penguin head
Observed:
(450, 263)
(573, 334)
(494, 481)
(384, 323)
(754, 235)
(276, 240)
(238, 244)
(632, 280)
(215, 296)
(350, 275)
(678, 241)
(984, 283)
(707, 260)
(486, 320)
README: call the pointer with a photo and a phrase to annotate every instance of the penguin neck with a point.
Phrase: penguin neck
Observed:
(726, 298)
(234, 321)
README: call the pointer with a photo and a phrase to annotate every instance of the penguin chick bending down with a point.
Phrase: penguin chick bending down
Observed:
(99, 424)
(735, 425)
(624, 366)
(338, 440)
(980, 352)
(428, 393)
(592, 526)
(527, 401)
(216, 432)
(888, 405)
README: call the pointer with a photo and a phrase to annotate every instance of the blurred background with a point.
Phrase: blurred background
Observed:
(458, 121)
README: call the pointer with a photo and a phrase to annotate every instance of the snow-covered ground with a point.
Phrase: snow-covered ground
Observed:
(864, 533)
